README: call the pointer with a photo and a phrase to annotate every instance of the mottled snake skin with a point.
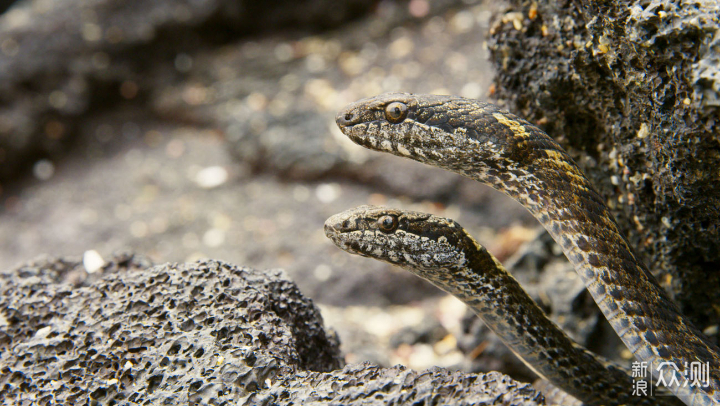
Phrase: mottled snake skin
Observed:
(441, 251)
(492, 146)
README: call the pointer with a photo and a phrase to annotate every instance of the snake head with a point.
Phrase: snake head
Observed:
(462, 135)
(404, 238)
(440, 130)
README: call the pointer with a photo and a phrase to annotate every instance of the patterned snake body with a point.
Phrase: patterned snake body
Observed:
(442, 252)
(487, 144)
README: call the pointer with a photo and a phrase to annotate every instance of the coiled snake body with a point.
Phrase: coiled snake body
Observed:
(494, 147)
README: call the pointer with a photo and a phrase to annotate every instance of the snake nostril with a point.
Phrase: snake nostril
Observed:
(349, 116)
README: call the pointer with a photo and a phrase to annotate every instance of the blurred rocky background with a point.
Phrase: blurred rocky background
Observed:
(185, 129)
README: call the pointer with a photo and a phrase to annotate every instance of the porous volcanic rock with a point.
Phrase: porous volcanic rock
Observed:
(367, 384)
(200, 333)
(631, 90)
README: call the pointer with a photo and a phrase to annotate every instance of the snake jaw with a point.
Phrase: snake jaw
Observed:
(359, 231)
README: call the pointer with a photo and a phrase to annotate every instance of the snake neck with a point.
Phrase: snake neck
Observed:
(483, 284)
(637, 307)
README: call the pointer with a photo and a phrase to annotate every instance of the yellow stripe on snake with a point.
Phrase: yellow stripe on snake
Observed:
(482, 142)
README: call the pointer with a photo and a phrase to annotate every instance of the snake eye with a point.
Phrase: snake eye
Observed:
(396, 112)
(387, 224)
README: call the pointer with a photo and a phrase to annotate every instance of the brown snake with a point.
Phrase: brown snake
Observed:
(494, 147)
(440, 251)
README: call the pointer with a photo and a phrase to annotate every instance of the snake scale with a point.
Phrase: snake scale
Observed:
(441, 251)
(492, 146)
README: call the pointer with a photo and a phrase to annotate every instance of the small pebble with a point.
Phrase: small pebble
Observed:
(92, 261)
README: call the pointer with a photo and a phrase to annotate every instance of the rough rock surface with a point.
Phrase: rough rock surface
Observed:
(631, 90)
(366, 384)
(200, 333)
(170, 333)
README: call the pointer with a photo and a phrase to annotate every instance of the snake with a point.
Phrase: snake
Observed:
(442, 252)
(490, 145)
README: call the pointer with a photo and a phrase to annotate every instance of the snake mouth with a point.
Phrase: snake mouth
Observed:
(335, 226)
(335, 234)
(354, 126)
(330, 231)
(334, 230)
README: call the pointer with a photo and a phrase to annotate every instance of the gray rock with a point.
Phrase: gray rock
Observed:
(632, 92)
(366, 384)
(201, 333)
